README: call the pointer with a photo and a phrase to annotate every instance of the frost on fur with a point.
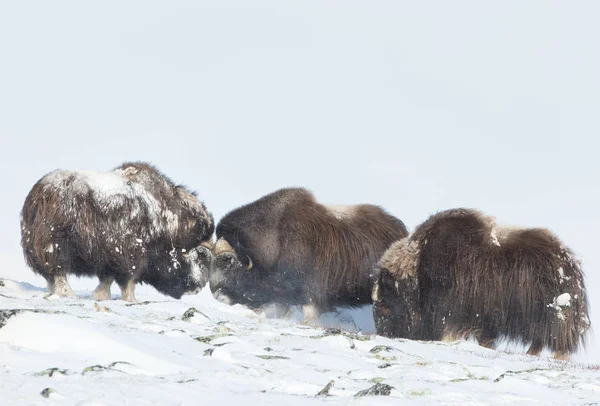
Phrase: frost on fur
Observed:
(132, 224)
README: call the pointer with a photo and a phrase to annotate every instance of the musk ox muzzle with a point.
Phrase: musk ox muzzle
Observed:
(224, 280)
(201, 260)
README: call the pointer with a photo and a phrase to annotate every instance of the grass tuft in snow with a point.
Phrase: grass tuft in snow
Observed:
(47, 392)
(51, 371)
(385, 358)
(178, 330)
(94, 368)
(337, 331)
(187, 380)
(518, 372)
(222, 328)
(379, 389)
(378, 348)
(110, 367)
(272, 357)
(325, 390)
(99, 308)
(419, 393)
(189, 314)
(208, 339)
(145, 302)
(5, 315)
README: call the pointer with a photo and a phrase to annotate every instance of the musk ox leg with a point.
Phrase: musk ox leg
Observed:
(128, 291)
(487, 339)
(50, 283)
(59, 286)
(102, 292)
(311, 315)
(488, 342)
(535, 348)
(561, 355)
(450, 336)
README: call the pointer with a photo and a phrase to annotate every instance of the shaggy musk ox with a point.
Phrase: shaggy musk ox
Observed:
(286, 248)
(459, 275)
(129, 225)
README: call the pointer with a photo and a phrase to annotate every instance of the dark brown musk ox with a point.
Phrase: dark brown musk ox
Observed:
(458, 275)
(286, 248)
(130, 225)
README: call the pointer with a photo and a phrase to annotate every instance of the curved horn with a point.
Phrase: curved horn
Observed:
(375, 293)
(222, 246)
(249, 263)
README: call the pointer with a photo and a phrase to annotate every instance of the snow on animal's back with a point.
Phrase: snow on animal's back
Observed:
(340, 211)
(103, 184)
(111, 191)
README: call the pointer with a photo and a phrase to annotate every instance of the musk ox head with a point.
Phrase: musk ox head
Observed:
(181, 229)
(395, 291)
(233, 278)
(181, 272)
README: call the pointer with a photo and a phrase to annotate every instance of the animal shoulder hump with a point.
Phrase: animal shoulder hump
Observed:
(449, 223)
(341, 211)
(56, 178)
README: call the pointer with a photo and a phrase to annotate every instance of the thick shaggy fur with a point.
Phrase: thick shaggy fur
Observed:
(459, 275)
(301, 252)
(130, 225)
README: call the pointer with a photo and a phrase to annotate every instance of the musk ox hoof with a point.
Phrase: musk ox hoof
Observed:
(102, 291)
(311, 316)
(101, 294)
(561, 356)
(64, 292)
(61, 288)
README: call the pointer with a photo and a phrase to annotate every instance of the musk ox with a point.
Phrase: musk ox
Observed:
(458, 275)
(288, 249)
(129, 225)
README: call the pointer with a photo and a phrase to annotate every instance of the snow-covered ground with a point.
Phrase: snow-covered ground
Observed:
(158, 351)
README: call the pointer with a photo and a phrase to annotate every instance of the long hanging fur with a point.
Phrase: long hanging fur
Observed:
(302, 252)
(130, 224)
(459, 275)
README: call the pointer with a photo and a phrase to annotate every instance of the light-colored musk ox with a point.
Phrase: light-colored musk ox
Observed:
(458, 275)
(288, 249)
(129, 225)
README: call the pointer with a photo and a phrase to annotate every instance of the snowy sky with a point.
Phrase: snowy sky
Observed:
(415, 106)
